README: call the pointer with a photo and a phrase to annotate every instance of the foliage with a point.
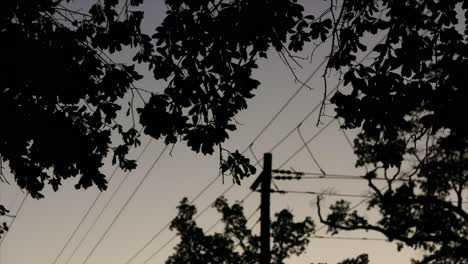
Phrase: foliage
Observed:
(206, 51)
(361, 259)
(237, 243)
(59, 91)
(3, 226)
(407, 102)
(62, 93)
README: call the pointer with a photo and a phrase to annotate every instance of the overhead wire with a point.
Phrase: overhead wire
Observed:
(319, 176)
(348, 140)
(320, 193)
(312, 156)
(303, 84)
(127, 202)
(155, 253)
(103, 209)
(18, 210)
(92, 206)
(167, 225)
(307, 142)
(349, 238)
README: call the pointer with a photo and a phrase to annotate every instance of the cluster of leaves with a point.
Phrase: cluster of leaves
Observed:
(237, 165)
(237, 243)
(361, 259)
(3, 226)
(407, 102)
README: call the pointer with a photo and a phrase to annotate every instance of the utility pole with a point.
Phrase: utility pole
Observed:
(264, 180)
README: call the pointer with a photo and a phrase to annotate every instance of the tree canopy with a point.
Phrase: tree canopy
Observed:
(62, 93)
(406, 101)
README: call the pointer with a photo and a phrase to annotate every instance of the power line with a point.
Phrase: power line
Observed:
(93, 204)
(350, 143)
(169, 223)
(312, 156)
(253, 213)
(349, 238)
(256, 223)
(329, 177)
(14, 219)
(307, 142)
(126, 204)
(320, 193)
(106, 205)
(303, 84)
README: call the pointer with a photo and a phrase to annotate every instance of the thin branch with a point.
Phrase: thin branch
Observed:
(391, 235)
(296, 78)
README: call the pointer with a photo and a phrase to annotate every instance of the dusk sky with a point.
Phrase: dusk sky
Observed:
(43, 226)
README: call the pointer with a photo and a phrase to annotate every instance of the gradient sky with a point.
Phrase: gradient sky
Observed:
(43, 226)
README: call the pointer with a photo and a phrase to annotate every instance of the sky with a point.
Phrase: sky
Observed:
(43, 226)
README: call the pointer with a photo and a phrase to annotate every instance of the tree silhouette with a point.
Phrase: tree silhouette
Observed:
(64, 98)
(407, 100)
(237, 243)
(62, 94)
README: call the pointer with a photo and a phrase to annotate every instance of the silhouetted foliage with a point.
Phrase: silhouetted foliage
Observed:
(3, 225)
(61, 93)
(60, 96)
(361, 259)
(207, 51)
(237, 243)
(407, 101)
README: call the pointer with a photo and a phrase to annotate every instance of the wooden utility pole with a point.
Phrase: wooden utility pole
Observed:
(264, 180)
(265, 256)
